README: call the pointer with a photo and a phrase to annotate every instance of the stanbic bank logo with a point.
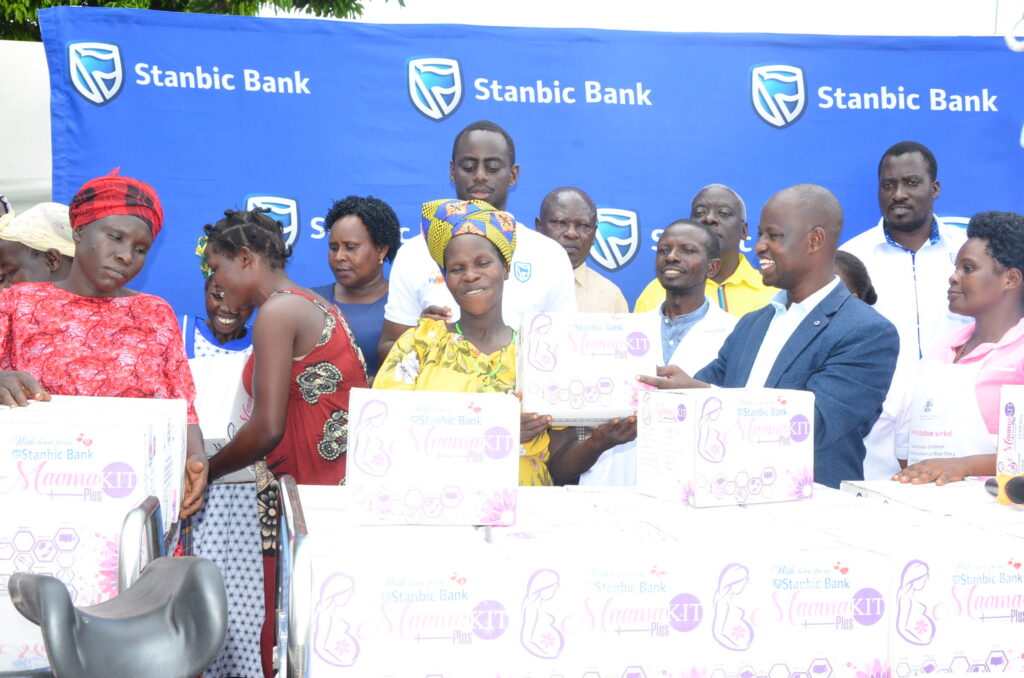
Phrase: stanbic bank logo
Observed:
(617, 238)
(285, 210)
(96, 70)
(778, 93)
(435, 86)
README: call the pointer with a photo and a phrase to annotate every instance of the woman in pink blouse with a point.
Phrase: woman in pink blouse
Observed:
(947, 431)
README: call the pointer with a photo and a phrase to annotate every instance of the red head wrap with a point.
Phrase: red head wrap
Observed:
(116, 195)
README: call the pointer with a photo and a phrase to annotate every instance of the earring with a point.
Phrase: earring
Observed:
(381, 260)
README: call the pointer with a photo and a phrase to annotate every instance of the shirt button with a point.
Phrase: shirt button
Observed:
(817, 322)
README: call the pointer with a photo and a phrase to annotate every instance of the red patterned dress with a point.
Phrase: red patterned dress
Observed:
(315, 439)
(123, 347)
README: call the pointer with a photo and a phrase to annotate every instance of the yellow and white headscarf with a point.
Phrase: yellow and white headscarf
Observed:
(445, 219)
(45, 226)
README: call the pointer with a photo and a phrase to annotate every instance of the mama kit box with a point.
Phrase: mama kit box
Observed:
(595, 584)
(430, 458)
(720, 447)
(70, 470)
(1010, 436)
(223, 405)
(580, 368)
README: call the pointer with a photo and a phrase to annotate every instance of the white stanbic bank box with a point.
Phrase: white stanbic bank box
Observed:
(1010, 436)
(222, 404)
(70, 470)
(429, 458)
(726, 446)
(580, 368)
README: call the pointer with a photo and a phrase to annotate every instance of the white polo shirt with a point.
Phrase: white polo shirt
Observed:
(540, 280)
(911, 289)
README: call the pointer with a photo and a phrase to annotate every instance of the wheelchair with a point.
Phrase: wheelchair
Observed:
(169, 619)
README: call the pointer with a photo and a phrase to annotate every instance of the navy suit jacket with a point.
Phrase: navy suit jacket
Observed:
(844, 352)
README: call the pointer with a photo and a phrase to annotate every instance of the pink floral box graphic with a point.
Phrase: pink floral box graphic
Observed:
(434, 458)
(580, 368)
(726, 447)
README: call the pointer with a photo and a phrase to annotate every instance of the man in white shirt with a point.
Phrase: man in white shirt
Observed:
(909, 255)
(483, 167)
(692, 328)
(569, 217)
(815, 336)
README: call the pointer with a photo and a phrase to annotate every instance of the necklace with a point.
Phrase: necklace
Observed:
(501, 358)
(962, 350)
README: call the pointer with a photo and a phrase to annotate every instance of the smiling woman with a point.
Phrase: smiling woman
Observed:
(90, 335)
(225, 530)
(477, 354)
(223, 331)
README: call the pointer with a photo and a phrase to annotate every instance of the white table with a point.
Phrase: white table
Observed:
(600, 583)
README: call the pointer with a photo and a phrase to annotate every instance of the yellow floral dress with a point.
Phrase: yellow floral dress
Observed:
(430, 358)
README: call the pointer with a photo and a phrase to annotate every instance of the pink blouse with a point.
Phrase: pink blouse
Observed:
(1003, 364)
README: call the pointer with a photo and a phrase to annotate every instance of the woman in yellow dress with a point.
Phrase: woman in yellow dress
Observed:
(477, 354)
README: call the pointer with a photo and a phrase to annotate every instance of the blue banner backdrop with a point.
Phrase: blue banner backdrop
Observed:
(223, 112)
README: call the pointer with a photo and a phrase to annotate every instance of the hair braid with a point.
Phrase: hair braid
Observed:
(253, 230)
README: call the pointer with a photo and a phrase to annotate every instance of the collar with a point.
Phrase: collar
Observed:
(933, 236)
(778, 301)
(962, 334)
(692, 316)
(580, 273)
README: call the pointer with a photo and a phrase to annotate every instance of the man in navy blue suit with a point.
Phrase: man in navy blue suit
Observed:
(814, 336)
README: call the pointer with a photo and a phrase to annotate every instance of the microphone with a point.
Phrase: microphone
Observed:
(1006, 489)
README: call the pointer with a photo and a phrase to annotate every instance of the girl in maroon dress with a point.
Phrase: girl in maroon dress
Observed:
(303, 364)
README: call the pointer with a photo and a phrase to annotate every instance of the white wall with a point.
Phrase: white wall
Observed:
(24, 124)
(25, 113)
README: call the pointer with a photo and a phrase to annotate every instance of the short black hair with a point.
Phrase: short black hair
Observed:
(712, 246)
(1004, 233)
(253, 229)
(380, 220)
(486, 126)
(855, 274)
(904, 147)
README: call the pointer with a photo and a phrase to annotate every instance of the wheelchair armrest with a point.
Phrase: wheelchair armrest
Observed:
(32, 594)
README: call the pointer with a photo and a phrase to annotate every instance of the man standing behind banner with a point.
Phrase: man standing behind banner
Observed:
(692, 328)
(569, 217)
(909, 255)
(737, 288)
(815, 336)
(483, 167)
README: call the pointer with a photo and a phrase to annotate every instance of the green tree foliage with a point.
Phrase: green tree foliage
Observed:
(18, 17)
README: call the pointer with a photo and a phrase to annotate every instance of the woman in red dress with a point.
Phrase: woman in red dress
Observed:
(89, 335)
(304, 362)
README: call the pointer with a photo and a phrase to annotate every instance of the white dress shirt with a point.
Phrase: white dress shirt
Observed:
(783, 324)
